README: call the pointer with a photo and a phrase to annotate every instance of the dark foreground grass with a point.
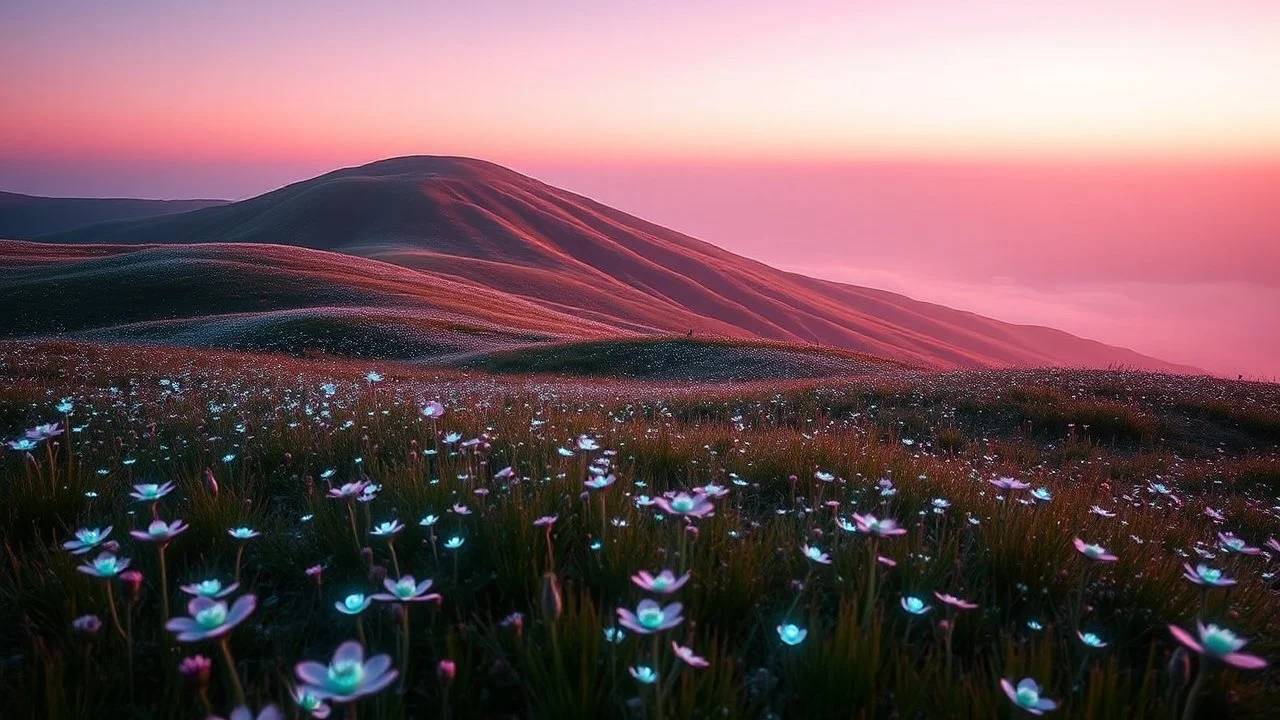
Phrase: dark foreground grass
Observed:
(277, 433)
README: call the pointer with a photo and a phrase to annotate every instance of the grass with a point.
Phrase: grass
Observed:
(269, 432)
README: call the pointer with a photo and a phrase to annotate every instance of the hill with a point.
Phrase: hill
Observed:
(23, 217)
(486, 226)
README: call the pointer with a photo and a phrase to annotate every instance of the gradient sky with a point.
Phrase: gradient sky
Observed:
(951, 150)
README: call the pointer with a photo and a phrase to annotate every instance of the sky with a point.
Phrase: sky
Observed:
(1107, 167)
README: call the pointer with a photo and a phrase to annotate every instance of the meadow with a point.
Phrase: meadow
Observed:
(187, 532)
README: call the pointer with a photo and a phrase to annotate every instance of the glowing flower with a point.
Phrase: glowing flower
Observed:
(1091, 639)
(160, 531)
(212, 589)
(545, 521)
(453, 543)
(614, 634)
(914, 605)
(792, 634)
(1027, 696)
(349, 676)
(348, 491)
(600, 482)
(151, 492)
(1096, 510)
(354, 604)
(1219, 644)
(1007, 484)
(880, 528)
(955, 602)
(1093, 552)
(429, 520)
(387, 529)
(1042, 495)
(243, 533)
(310, 704)
(685, 504)
(86, 540)
(433, 410)
(650, 617)
(1231, 543)
(106, 565)
(815, 554)
(1206, 576)
(406, 589)
(643, 674)
(211, 618)
(664, 582)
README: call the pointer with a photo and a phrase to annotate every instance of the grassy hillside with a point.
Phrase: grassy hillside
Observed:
(26, 217)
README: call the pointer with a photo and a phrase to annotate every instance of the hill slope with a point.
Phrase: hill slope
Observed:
(484, 225)
(23, 217)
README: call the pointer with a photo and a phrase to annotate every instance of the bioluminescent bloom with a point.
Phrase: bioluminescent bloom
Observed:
(1027, 696)
(86, 540)
(348, 491)
(212, 589)
(1093, 552)
(600, 482)
(387, 529)
(596, 545)
(1100, 511)
(685, 504)
(643, 674)
(880, 528)
(1219, 644)
(460, 509)
(650, 617)
(792, 634)
(349, 676)
(1206, 576)
(815, 554)
(23, 445)
(846, 526)
(546, 521)
(1007, 484)
(1042, 495)
(211, 618)
(65, 406)
(87, 624)
(955, 602)
(1231, 543)
(433, 410)
(1214, 515)
(406, 589)
(1034, 625)
(373, 376)
(1093, 640)
(243, 533)
(160, 531)
(44, 432)
(429, 520)
(713, 490)
(614, 634)
(310, 704)
(1273, 544)
(823, 476)
(940, 504)
(106, 565)
(451, 437)
(689, 657)
(151, 492)
(587, 443)
(453, 543)
(355, 603)
(665, 582)
(270, 712)
(914, 605)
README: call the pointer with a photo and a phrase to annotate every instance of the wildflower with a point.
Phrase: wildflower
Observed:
(131, 583)
(1007, 484)
(1027, 696)
(791, 634)
(373, 376)
(348, 676)
(106, 565)
(650, 617)
(429, 520)
(688, 656)
(914, 605)
(460, 509)
(310, 704)
(196, 669)
(243, 533)
(685, 504)
(354, 604)
(433, 410)
(600, 482)
(545, 521)
(614, 634)
(880, 528)
(23, 445)
(387, 529)
(1035, 625)
(664, 582)
(823, 476)
(1219, 644)
(348, 491)
(160, 531)
(1094, 552)
(211, 618)
(453, 543)
(1091, 639)
(86, 540)
(1042, 494)
(406, 589)
(212, 589)
(643, 674)
(1100, 511)
(1206, 576)
(87, 625)
(815, 554)
(587, 443)
(940, 504)
(446, 670)
(955, 602)
(44, 432)
(65, 406)
(1231, 543)
(151, 492)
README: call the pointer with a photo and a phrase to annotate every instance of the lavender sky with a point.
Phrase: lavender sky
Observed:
(1109, 168)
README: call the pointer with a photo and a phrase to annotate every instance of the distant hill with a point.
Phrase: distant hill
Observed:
(23, 217)
(480, 225)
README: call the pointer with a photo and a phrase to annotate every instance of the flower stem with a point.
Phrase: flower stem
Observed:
(164, 587)
(657, 669)
(355, 534)
(395, 562)
(115, 616)
(239, 555)
(1189, 712)
(404, 646)
(871, 581)
(231, 669)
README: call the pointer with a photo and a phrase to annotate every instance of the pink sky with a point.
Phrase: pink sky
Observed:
(948, 150)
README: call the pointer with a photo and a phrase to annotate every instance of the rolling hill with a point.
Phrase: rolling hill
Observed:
(23, 217)
(503, 240)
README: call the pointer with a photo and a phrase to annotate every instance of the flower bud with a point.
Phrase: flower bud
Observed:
(446, 671)
(210, 482)
(87, 625)
(377, 574)
(196, 669)
(131, 582)
(551, 601)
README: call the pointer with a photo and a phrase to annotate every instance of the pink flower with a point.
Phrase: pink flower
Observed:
(688, 656)
(1219, 644)
(1094, 552)
(664, 582)
(955, 602)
